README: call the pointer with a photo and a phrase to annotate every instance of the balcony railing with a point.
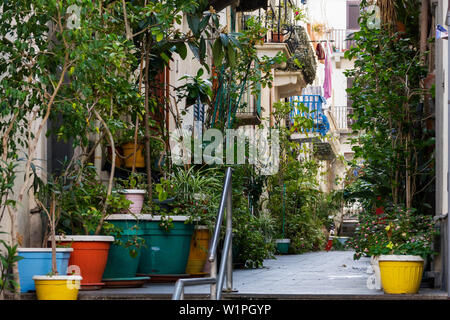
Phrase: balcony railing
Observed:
(342, 116)
(278, 18)
(340, 39)
(314, 103)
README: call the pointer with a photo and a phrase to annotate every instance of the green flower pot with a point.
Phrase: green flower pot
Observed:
(120, 263)
(165, 252)
(282, 245)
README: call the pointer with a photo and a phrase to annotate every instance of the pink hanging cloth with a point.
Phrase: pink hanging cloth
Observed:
(327, 87)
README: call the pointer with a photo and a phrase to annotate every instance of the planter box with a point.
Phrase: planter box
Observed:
(38, 261)
(401, 273)
(166, 253)
(89, 256)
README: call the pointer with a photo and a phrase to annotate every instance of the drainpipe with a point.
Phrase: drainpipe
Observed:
(447, 22)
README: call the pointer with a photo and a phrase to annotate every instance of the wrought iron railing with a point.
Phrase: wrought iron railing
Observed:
(278, 18)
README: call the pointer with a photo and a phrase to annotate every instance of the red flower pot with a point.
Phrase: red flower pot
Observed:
(89, 257)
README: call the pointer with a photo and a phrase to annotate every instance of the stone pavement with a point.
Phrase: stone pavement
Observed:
(305, 276)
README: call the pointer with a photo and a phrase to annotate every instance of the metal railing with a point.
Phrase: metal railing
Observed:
(342, 115)
(216, 279)
(340, 39)
(314, 104)
(279, 19)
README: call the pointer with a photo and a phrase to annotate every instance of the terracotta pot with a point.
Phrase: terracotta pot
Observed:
(277, 37)
(88, 259)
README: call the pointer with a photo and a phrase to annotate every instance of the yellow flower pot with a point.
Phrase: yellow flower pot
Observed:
(130, 152)
(57, 287)
(199, 251)
(401, 273)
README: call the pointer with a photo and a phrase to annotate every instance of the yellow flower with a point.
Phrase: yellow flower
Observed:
(388, 228)
(390, 245)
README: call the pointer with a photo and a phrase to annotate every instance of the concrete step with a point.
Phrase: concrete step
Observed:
(98, 295)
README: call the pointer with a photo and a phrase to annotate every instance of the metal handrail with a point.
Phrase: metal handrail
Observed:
(216, 280)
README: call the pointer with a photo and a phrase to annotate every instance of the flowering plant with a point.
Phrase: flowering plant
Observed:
(299, 14)
(395, 231)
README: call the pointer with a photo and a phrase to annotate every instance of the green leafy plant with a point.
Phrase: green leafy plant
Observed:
(195, 89)
(8, 257)
(134, 181)
(194, 193)
(80, 200)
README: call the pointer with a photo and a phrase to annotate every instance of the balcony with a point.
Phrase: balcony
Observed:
(314, 103)
(342, 117)
(278, 18)
(340, 39)
(324, 149)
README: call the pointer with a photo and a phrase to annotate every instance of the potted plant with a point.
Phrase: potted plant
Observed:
(134, 190)
(39, 261)
(85, 204)
(167, 235)
(124, 254)
(169, 230)
(53, 284)
(132, 146)
(399, 240)
(282, 244)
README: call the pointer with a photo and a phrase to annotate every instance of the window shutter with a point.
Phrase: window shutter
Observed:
(352, 15)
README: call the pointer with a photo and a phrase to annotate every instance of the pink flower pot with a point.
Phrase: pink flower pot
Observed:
(136, 196)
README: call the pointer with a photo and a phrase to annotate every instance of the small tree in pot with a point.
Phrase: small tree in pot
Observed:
(53, 286)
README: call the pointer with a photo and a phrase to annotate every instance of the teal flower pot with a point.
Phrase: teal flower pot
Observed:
(166, 252)
(282, 245)
(120, 263)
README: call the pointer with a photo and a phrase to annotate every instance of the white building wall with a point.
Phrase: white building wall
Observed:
(441, 119)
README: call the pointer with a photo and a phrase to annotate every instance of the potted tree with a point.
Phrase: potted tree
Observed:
(132, 146)
(85, 204)
(56, 284)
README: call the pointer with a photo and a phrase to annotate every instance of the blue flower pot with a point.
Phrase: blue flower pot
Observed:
(38, 261)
